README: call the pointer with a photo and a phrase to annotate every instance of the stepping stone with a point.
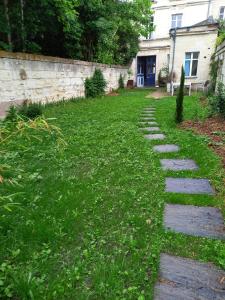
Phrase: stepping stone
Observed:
(148, 123)
(146, 118)
(155, 136)
(151, 129)
(189, 186)
(194, 220)
(187, 279)
(178, 164)
(166, 148)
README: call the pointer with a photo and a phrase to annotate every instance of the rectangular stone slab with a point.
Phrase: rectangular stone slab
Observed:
(151, 129)
(146, 118)
(194, 220)
(166, 148)
(148, 123)
(178, 164)
(155, 136)
(187, 279)
(189, 186)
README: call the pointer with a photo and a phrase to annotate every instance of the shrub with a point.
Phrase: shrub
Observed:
(30, 111)
(121, 82)
(95, 86)
(12, 114)
(217, 102)
(180, 99)
(26, 111)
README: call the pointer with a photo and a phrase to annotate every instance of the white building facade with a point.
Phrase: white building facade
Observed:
(185, 34)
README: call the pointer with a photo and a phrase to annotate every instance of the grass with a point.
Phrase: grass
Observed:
(89, 220)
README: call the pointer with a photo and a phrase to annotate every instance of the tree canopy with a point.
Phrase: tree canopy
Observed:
(105, 31)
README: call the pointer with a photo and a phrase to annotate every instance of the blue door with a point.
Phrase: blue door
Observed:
(150, 70)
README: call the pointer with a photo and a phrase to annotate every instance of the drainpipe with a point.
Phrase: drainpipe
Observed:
(208, 11)
(173, 35)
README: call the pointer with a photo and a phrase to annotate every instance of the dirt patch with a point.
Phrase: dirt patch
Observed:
(158, 94)
(113, 94)
(214, 128)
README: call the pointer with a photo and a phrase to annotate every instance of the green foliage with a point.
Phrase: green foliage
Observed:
(12, 114)
(180, 98)
(30, 110)
(121, 82)
(25, 111)
(95, 86)
(214, 64)
(217, 101)
(94, 30)
(221, 33)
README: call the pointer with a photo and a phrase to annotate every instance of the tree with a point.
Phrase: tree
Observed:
(94, 30)
(180, 98)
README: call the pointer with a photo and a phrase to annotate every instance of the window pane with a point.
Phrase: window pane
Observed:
(195, 55)
(187, 67)
(188, 55)
(173, 25)
(194, 68)
(179, 23)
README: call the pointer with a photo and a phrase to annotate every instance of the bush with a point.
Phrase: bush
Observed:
(217, 102)
(121, 82)
(30, 111)
(12, 114)
(26, 111)
(180, 99)
(95, 86)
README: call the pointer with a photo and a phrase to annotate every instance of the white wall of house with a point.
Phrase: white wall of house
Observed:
(202, 41)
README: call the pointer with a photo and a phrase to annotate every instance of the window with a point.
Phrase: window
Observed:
(222, 12)
(191, 63)
(176, 21)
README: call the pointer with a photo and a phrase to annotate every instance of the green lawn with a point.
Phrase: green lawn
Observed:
(89, 223)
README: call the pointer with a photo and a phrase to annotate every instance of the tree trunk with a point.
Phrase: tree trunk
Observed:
(9, 36)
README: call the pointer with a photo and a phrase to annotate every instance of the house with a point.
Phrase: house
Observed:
(185, 33)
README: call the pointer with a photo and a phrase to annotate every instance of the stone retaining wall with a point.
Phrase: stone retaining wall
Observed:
(42, 78)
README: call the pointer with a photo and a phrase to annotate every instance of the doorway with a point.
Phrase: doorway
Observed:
(146, 69)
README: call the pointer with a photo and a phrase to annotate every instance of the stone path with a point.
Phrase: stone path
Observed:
(186, 279)
(178, 164)
(155, 136)
(194, 220)
(180, 278)
(166, 148)
(189, 186)
(150, 129)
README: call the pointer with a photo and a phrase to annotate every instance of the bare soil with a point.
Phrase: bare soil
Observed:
(214, 128)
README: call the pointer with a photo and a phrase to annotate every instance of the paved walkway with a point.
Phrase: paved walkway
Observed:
(181, 278)
(158, 94)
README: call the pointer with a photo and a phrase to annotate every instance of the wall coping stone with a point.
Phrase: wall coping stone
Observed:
(37, 57)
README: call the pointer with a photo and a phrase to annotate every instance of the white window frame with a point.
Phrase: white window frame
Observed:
(222, 13)
(191, 59)
(176, 20)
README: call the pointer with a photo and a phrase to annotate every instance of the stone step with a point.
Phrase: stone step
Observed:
(155, 136)
(148, 123)
(194, 220)
(178, 164)
(166, 148)
(189, 186)
(150, 129)
(187, 279)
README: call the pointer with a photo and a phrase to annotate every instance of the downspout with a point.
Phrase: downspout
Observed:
(173, 34)
(208, 11)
